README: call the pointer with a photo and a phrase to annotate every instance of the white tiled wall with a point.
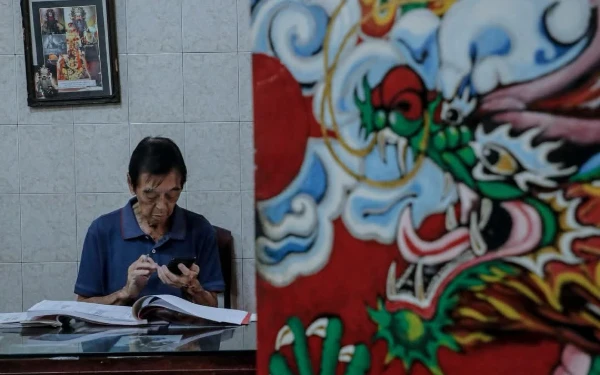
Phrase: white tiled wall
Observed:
(185, 74)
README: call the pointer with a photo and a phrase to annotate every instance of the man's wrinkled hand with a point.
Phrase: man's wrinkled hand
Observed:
(188, 278)
(138, 274)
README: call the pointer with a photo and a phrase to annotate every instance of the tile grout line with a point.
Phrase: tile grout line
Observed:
(127, 76)
(243, 244)
(241, 291)
(15, 70)
(239, 116)
(126, 32)
(182, 28)
(182, 69)
(237, 26)
(20, 175)
(20, 216)
(14, 12)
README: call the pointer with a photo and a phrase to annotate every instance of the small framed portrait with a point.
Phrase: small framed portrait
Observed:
(71, 52)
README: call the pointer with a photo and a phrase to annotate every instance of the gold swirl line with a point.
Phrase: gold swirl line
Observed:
(327, 96)
(328, 79)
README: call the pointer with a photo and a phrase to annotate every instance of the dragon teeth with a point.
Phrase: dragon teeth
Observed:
(477, 242)
(419, 283)
(401, 145)
(381, 145)
(485, 212)
(451, 222)
(448, 182)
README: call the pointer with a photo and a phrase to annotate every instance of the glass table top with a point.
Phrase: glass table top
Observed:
(94, 340)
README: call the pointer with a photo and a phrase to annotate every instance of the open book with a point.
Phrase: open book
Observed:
(159, 309)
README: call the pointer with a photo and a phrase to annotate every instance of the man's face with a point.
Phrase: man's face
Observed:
(50, 16)
(78, 15)
(157, 196)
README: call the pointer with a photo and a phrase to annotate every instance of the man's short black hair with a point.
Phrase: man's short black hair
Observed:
(157, 156)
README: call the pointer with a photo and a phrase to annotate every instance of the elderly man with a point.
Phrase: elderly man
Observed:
(126, 252)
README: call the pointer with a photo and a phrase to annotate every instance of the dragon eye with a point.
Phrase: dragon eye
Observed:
(499, 160)
(452, 115)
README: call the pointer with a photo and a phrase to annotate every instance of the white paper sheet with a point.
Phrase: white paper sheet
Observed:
(18, 320)
(13, 317)
(91, 312)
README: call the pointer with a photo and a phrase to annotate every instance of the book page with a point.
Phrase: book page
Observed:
(91, 312)
(18, 320)
(209, 313)
(12, 318)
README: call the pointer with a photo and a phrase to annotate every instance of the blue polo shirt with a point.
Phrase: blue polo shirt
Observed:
(115, 240)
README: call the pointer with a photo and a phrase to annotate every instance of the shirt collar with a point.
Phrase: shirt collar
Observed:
(130, 228)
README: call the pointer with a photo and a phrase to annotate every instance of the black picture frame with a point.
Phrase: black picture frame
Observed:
(71, 55)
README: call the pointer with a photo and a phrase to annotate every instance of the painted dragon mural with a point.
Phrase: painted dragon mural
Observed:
(427, 186)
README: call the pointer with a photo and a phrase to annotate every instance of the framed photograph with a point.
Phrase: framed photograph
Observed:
(71, 52)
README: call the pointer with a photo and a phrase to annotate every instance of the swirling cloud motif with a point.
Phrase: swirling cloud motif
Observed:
(297, 224)
(374, 214)
(485, 44)
(294, 31)
(415, 35)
